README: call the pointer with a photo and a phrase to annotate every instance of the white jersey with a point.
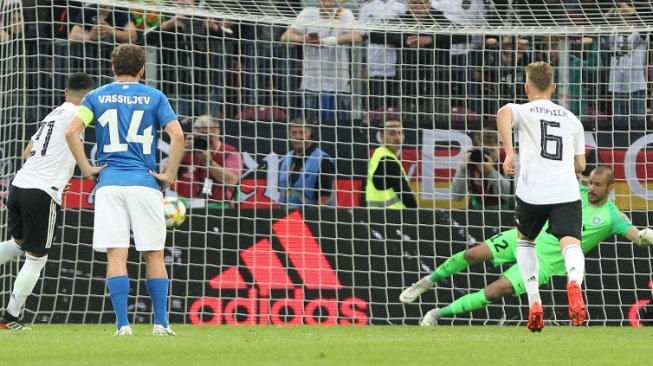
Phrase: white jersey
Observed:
(51, 164)
(325, 68)
(381, 59)
(550, 137)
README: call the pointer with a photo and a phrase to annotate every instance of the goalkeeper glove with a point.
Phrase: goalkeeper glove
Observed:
(645, 236)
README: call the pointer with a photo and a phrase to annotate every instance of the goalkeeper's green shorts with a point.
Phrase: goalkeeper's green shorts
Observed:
(503, 247)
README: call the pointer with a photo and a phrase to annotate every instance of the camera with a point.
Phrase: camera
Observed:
(200, 143)
(478, 155)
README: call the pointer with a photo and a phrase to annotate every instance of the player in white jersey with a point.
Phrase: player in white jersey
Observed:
(551, 152)
(35, 198)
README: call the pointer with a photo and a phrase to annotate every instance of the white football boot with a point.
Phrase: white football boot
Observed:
(431, 318)
(412, 293)
(160, 330)
(125, 330)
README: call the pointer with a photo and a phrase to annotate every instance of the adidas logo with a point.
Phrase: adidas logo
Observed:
(531, 279)
(270, 279)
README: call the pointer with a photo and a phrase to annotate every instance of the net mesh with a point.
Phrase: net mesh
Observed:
(445, 67)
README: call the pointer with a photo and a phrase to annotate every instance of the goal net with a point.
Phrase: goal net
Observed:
(255, 67)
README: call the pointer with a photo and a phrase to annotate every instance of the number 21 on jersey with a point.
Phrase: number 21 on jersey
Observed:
(110, 117)
(46, 141)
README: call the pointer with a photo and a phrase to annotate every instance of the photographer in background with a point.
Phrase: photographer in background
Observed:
(479, 178)
(210, 169)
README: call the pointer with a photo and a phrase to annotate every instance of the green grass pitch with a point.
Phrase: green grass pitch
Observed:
(331, 345)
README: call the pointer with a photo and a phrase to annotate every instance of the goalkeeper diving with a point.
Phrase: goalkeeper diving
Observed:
(601, 219)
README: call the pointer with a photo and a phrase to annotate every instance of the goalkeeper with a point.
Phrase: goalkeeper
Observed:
(601, 219)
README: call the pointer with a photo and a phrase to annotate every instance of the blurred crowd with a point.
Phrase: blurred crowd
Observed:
(336, 67)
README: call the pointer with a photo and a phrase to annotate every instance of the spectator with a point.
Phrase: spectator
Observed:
(628, 64)
(104, 23)
(189, 52)
(387, 182)
(479, 177)
(11, 23)
(210, 168)
(505, 72)
(424, 57)
(485, 66)
(63, 16)
(464, 13)
(326, 79)
(382, 85)
(306, 173)
(145, 20)
(580, 70)
(98, 25)
(261, 56)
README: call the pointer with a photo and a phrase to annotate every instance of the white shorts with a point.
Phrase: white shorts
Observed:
(121, 208)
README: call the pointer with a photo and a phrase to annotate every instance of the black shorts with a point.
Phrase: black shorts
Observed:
(32, 218)
(565, 219)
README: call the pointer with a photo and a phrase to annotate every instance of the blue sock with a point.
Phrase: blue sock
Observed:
(119, 290)
(158, 289)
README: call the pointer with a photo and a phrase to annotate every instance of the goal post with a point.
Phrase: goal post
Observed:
(444, 71)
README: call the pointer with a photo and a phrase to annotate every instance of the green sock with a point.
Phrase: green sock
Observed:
(468, 303)
(451, 266)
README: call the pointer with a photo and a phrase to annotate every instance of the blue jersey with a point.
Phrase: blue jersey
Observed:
(129, 116)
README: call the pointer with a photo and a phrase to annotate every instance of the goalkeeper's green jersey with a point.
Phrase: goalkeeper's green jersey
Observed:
(599, 223)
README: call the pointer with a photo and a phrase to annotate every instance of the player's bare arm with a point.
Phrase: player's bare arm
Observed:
(504, 125)
(28, 150)
(77, 149)
(173, 129)
(580, 163)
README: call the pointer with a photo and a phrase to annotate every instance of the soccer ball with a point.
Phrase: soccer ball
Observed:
(174, 212)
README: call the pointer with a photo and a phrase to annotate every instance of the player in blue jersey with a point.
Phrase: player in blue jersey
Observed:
(129, 116)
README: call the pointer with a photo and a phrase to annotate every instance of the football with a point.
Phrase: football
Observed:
(174, 212)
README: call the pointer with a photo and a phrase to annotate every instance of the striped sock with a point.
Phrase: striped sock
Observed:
(574, 263)
(529, 269)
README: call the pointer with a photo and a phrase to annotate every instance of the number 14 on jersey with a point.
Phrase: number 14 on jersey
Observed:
(110, 117)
